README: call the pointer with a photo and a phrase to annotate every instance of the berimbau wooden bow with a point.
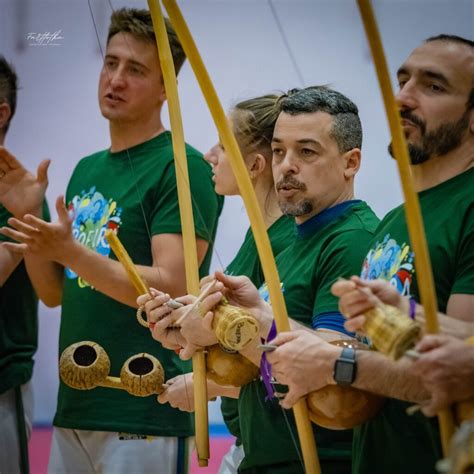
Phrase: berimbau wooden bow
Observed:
(187, 222)
(414, 219)
(247, 192)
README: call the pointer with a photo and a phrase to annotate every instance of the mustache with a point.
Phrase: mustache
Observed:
(407, 115)
(289, 181)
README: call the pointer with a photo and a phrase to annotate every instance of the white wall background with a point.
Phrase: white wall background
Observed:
(58, 116)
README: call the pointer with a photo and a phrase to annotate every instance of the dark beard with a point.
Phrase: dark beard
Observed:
(301, 208)
(445, 138)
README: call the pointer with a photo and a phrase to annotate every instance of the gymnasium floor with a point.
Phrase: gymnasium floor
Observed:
(41, 439)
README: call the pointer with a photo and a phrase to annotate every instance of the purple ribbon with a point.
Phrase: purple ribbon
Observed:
(266, 367)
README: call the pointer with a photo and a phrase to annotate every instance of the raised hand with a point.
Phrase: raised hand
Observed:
(51, 241)
(239, 291)
(21, 192)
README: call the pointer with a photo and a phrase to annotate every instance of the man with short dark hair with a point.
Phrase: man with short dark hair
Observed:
(18, 314)
(316, 155)
(436, 105)
(130, 187)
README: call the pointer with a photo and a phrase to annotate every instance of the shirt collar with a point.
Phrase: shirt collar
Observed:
(312, 225)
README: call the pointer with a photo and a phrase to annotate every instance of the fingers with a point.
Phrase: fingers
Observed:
(355, 324)
(430, 342)
(211, 280)
(342, 286)
(438, 401)
(374, 285)
(211, 301)
(61, 209)
(186, 299)
(42, 173)
(205, 281)
(156, 309)
(142, 299)
(19, 236)
(188, 351)
(178, 394)
(284, 337)
(163, 397)
(168, 337)
(356, 302)
(231, 282)
(208, 320)
(290, 399)
(35, 222)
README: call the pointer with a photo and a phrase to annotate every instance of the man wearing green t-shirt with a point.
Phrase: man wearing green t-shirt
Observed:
(436, 101)
(18, 307)
(130, 188)
(316, 155)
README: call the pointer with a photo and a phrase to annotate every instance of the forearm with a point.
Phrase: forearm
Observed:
(393, 380)
(447, 325)
(456, 325)
(109, 277)
(47, 279)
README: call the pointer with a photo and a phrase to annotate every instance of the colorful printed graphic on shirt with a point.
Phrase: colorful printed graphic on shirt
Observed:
(392, 262)
(265, 294)
(92, 215)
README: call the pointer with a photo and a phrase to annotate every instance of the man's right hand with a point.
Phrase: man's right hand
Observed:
(20, 191)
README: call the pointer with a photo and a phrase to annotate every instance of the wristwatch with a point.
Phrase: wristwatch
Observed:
(345, 368)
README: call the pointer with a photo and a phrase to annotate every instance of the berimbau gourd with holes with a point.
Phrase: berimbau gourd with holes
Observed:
(85, 365)
(235, 328)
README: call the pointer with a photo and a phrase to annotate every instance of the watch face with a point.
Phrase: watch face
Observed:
(344, 372)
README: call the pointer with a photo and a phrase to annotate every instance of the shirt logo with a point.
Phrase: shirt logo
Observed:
(392, 262)
(92, 215)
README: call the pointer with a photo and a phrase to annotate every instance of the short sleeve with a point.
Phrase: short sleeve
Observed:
(464, 276)
(165, 217)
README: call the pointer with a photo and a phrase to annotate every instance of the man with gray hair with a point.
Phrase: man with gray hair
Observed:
(316, 155)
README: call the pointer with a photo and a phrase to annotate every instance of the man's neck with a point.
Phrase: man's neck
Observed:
(439, 169)
(129, 134)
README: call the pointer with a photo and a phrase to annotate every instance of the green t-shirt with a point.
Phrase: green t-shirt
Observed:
(135, 192)
(281, 233)
(18, 321)
(330, 245)
(394, 441)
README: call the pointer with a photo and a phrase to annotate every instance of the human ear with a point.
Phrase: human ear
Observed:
(257, 165)
(352, 162)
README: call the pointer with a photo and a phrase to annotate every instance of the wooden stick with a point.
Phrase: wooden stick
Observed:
(126, 261)
(193, 305)
(259, 230)
(137, 281)
(187, 221)
(412, 206)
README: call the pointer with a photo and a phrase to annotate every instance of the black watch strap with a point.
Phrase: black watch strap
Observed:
(345, 367)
